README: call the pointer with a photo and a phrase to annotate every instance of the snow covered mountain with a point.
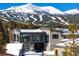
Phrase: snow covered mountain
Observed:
(72, 11)
(32, 13)
(52, 10)
(30, 8)
(46, 15)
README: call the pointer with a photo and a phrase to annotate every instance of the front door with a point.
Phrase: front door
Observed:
(39, 47)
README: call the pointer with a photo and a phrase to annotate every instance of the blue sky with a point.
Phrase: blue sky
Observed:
(61, 6)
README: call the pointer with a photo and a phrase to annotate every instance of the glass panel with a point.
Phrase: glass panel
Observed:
(17, 37)
(55, 36)
(14, 37)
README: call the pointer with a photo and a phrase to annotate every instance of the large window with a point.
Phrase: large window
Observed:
(17, 37)
(55, 36)
(14, 37)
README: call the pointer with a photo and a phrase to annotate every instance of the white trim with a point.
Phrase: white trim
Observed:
(31, 30)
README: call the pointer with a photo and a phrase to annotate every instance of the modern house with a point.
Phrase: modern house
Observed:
(37, 39)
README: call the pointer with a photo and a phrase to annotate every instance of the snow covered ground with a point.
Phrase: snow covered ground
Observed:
(14, 48)
(45, 53)
(32, 53)
(49, 53)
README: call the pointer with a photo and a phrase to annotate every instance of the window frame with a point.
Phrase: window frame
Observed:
(55, 36)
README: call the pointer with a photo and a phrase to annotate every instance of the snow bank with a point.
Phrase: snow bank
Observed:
(49, 53)
(14, 48)
(32, 53)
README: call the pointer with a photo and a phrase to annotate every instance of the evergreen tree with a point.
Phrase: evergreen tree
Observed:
(2, 36)
(72, 48)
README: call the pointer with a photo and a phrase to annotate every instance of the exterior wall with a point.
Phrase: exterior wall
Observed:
(49, 37)
(15, 38)
(56, 40)
(52, 42)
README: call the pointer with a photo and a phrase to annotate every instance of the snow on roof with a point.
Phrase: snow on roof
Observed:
(69, 39)
(14, 48)
(31, 30)
(66, 42)
(60, 44)
(63, 44)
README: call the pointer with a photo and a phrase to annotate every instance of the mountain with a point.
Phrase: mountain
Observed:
(72, 11)
(52, 10)
(44, 16)
(27, 8)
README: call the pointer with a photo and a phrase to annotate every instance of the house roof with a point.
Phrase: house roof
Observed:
(52, 29)
(31, 30)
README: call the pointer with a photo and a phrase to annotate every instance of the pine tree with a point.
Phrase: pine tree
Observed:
(2, 36)
(72, 48)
